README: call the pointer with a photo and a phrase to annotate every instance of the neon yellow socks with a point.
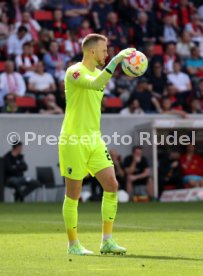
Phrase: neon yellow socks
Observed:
(109, 209)
(70, 215)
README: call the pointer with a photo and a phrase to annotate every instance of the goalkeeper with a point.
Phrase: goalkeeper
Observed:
(81, 150)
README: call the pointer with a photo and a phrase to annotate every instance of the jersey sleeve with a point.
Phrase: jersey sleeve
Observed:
(81, 79)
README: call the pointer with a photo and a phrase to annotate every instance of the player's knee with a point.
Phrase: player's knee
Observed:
(113, 185)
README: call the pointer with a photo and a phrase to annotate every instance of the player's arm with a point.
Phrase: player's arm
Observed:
(88, 82)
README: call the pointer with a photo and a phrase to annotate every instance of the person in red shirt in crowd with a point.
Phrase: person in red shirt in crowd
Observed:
(85, 29)
(59, 28)
(191, 165)
(184, 12)
(165, 7)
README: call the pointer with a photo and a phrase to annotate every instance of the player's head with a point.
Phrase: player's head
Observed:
(94, 46)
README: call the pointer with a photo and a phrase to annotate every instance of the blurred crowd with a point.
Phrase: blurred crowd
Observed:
(40, 39)
(178, 168)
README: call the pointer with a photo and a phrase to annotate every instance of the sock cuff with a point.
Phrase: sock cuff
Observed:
(110, 196)
(70, 201)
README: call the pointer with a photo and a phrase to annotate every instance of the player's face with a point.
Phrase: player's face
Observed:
(101, 52)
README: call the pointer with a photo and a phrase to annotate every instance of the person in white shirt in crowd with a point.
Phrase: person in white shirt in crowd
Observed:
(16, 41)
(72, 45)
(31, 24)
(184, 46)
(41, 82)
(132, 108)
(195, 28)
(179, 79)
(26, 63)
(200, 11)
(11, 82)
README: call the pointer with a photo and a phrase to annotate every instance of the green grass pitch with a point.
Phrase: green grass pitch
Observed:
(162, 239)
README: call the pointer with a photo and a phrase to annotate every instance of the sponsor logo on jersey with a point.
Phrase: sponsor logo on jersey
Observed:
(76, 75)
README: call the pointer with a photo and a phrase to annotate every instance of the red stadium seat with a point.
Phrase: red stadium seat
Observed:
(43, 15)
(115, 102)
(26, 102)
(158, 49)
(2, 66)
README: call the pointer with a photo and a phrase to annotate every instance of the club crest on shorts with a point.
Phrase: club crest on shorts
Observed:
(76, 75)
(70, 170)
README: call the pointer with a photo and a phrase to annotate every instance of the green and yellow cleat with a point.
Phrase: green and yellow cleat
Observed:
(78, 249)
(109, 246)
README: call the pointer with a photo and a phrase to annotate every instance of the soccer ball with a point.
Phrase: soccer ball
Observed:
(135, 65)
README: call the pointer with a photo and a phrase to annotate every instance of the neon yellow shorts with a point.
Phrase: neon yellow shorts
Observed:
(76, 161)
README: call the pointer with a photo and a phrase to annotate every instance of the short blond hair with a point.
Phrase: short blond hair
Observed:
(92, 39)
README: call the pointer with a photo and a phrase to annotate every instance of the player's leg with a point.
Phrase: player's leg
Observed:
(70, 208)
(108, 181)
(70, 215)
(72, 161)
(100, 164)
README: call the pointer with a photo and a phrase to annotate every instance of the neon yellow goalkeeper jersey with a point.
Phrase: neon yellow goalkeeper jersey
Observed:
(83, 100)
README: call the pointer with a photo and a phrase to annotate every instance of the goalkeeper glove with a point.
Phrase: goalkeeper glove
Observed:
(118, 58)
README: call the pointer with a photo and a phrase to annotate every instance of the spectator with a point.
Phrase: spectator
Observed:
(180, 80)
(10, 104)
(125, 85)
(157, 79)
(110, 88)
(31, 24)
(40, 82)
(11, 82)
(72, 45)
(100, 10)
(168, 31)
(15, 166)
(132, 108)
(15, 9)
(59, 28)
(5, 29)
(195, 28)
(184, 46)
(200, 12)
(148, 103)
(184, 13)
(50, 106)
(194, 64)
(44, 43)
(195, 106)
(169, 171)
(199, 93)
(172, 93)
(165, 7)
(138, 173)
(118, 166)
(85, 29)
(169, 57)
(16, 41)
(141, 5)
(26, 62)
(144, 32)
(75, 13)
(115, 31)
(169, 108)
(53, 59)
(191, 165)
